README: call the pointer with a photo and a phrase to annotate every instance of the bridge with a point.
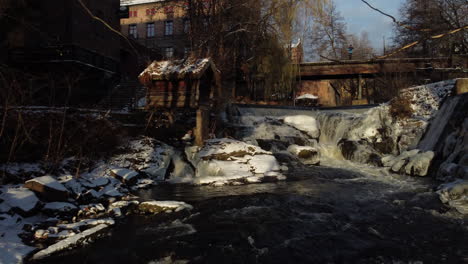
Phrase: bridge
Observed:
(370, 68)
(317, 77)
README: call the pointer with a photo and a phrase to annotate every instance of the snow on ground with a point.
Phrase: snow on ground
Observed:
(12, 249)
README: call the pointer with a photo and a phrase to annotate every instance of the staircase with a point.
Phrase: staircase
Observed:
(124, 96)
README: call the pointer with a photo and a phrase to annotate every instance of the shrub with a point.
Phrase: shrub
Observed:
(400, 108)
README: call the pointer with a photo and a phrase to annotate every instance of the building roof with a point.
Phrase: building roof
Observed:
(177, 69)
(138, 2)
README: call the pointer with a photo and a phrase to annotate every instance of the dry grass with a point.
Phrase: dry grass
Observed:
(400, 108)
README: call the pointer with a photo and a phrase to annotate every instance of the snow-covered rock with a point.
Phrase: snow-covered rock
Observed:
(145, 155)
(225, 148)
(48, 187)
(87, 223)
(455, 194)
(304, 123)
(154, 207)
(225, 161)
(261, 164)
(21, 200)
(307, 155)
(418, 165)
(127, 176)
(70, 242)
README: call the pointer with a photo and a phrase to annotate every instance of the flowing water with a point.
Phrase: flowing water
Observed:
(339, 212)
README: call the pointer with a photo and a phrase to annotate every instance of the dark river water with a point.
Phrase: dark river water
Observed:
(319, 215)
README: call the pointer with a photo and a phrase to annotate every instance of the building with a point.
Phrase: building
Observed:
(61, 38)
(159, 25)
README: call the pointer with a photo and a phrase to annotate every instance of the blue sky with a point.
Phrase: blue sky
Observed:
(359, 17)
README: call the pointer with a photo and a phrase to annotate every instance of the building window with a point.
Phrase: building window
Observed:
(133, 13)
(150, 30)
(169, 52)
(186, 25)
(168, 28)
(132, 31)
(148, 12)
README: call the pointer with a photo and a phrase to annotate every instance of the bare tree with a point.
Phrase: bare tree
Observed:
(431, 17)
(328, 34)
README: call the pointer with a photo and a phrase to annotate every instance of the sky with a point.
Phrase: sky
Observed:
(359, 17)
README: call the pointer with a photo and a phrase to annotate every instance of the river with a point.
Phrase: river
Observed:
(319, 215)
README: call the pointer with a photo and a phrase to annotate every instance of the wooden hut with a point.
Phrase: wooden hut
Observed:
(188, 83)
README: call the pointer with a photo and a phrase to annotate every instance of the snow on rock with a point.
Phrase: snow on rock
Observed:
(261, 164)
(217, 170)
(418, 165)
(70, 242)
(226, 161)
(390, 161)
(224, 148)
(154, 207)
(307, 155)
(22, 200)
(274, 135)
(455, 194)
(145, 155)
(86, 224)
(304, 123)
(125, 175)
(427, 99)
(48, 187)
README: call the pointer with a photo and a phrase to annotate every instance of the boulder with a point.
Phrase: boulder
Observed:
(60, 208)
(261, 164)
(455, 194)
(224, 149)
(145, 155)
(21, 200)
(307, 155)
(48, 188)
(304, 123)
(126, 176)
(418, 165)
(155, 207)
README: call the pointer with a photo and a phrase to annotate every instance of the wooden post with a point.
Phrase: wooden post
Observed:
(360, 87)
(201, 131)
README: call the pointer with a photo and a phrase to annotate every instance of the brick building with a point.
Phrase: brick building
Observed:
(159, 25)
(60, 38)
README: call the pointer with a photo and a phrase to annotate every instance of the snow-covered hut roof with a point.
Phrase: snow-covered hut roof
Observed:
(138, 2)
(307, 96)
(177, 69)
